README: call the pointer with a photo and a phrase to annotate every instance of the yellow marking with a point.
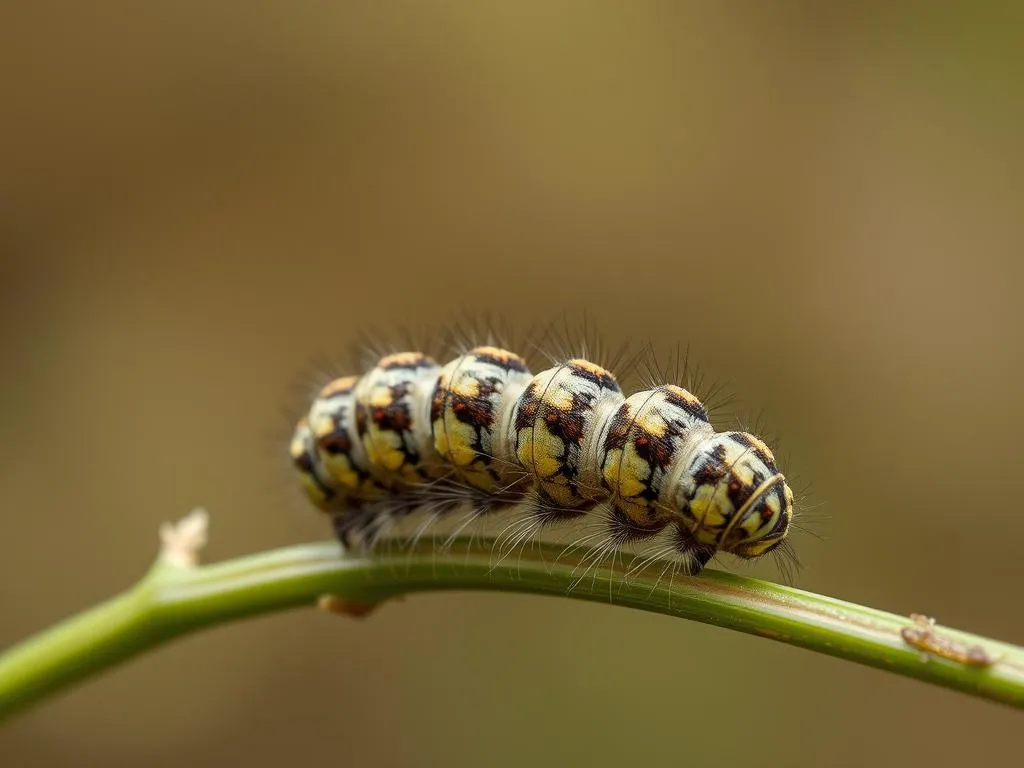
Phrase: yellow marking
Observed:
(403, 359)
(651, 420)
(762, 445)
(467, 387)
(750, 501)
(343, 473)
(442, 426)
(620, 470)
(594, 368)
(546, 447)
(712, 510)
(410, 473)
(380, 397)
(338, 386)
(297, 447)
(313, 490)
(689, 397)
(454, 447)
(497, 352)
(610, 471)
(751, 524)
(631, 471)
(386, 455)
(733, 452)
(758, 547)
(322, 425)
(743, 470)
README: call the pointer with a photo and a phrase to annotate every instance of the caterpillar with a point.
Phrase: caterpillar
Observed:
(482, 432)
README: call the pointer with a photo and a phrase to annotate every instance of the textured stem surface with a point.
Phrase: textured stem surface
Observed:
(173, 599)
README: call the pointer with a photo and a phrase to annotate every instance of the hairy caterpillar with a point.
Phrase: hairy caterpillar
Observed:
(485, 434)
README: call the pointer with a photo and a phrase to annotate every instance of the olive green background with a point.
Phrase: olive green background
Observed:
(201, 202)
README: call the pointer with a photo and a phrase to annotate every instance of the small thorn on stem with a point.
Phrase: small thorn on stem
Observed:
(181, 542)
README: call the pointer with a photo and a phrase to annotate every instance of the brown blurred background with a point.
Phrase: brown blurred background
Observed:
(199, 202)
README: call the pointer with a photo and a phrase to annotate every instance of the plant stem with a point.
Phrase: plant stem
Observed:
(174, 599)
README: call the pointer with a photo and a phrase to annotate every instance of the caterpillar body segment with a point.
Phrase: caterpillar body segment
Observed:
(468, 417)
(566, 443)
(307, 460)
(339, 450)
(652, 432)
(734, 497)
(556, 423)
(390, 405)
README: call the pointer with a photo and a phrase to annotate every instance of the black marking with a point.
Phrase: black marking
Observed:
(413, 362)
(784, 518)
(742, 438)
(335, 442)
(603, 380)
(696, 555)
(739, 492)
(329, 493)
(508, 362)
(712, 467)
(529, 404)
(618, 430)
(693, 408)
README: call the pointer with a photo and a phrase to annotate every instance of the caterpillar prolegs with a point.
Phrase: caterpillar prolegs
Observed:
(482, 432)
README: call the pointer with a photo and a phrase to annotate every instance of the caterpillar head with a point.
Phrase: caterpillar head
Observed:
(734, 498)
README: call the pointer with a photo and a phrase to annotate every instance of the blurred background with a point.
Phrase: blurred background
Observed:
(201, 202)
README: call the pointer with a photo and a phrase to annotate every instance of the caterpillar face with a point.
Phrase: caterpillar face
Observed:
(563, 444)
(733, 497)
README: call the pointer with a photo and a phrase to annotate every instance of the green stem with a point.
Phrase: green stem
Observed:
(173, 600)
